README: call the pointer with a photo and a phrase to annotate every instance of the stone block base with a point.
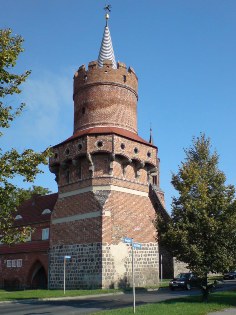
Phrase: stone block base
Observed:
(98, 265)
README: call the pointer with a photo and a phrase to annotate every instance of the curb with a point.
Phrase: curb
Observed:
(68, 298)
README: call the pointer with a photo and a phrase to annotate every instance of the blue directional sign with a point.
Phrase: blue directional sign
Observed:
(137, 246)
(127, 240)
(67, 257)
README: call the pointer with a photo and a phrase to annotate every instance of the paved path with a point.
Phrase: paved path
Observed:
(228, 311)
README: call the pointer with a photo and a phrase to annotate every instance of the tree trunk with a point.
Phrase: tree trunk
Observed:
(205, 289)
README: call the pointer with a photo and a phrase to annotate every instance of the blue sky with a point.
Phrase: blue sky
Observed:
(183, 51)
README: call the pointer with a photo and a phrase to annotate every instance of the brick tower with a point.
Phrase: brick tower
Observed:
(108, 183)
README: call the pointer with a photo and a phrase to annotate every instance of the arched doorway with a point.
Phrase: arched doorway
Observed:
(38, 276)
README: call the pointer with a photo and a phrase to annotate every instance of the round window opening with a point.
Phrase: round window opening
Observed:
(122, 146)
(67, 151)
(135, 150)
(149, 154)
(80, 146)
(100, 144)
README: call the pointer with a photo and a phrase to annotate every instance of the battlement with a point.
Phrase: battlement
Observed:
(106, 74)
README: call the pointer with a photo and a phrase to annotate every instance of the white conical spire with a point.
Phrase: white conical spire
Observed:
(106, 50)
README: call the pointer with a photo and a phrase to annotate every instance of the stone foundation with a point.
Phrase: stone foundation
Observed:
(97, 265)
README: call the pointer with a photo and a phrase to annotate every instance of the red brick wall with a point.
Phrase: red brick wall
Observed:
(22, 274)
(131, 216)
(105, 97)
(30, 252)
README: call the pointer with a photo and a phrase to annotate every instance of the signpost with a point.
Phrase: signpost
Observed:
(130, 241)
(161, 269)
(65, 258)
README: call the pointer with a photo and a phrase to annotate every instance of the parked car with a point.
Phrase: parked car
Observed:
(184, 281)
(230, 275)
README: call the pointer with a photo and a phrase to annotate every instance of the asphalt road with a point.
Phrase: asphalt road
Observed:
(90, 305)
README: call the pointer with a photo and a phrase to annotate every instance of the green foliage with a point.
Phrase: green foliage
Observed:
(12, 163)
(202, 228)
(10, 48)
(25, 194)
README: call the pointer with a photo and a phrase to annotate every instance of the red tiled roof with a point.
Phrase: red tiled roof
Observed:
(31, 210)
(108, 130)
(27, 247)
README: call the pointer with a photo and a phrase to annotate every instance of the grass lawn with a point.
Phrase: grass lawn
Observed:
(39, 294)
(183, 306)
(164, 283)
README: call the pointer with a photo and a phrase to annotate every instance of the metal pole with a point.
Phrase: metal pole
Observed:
(64, 275)
(133, 275)
(48, 268)
(161, 269)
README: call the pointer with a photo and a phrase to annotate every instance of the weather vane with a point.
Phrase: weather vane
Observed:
(107, 8)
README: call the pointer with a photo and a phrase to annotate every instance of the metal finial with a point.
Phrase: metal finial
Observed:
(107, 8)
(151, 138)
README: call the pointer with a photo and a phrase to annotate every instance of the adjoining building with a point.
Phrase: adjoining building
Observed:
(25, 265)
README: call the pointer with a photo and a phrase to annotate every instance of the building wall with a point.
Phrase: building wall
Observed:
(25, 259)
(21, 277)
(179, 267)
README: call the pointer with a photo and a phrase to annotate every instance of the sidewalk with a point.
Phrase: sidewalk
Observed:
(228, 311)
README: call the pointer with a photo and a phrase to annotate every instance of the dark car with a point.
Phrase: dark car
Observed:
(184, 281)
(230, 275)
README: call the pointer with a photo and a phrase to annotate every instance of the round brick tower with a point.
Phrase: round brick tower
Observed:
(104, 96)
(108, 183)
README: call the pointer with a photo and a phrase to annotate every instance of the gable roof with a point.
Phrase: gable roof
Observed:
(31, 210)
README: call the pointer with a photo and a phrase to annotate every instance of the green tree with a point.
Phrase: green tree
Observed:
(26, 194)
(13, 163)
(202, 229)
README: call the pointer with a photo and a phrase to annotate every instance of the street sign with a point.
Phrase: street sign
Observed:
(67, 257)
(137, 246)
(127, 240)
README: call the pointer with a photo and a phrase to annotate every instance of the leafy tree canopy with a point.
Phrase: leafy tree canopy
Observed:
(13, 163)
(202, 228)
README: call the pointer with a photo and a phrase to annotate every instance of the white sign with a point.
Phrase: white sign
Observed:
(137, 246)
(127, 240)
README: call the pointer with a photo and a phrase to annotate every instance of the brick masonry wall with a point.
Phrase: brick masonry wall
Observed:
(105, 96)
(31, 253)
(105, 105)
(122, 214)
(111, 143)
(109, 159)
(23, 274)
